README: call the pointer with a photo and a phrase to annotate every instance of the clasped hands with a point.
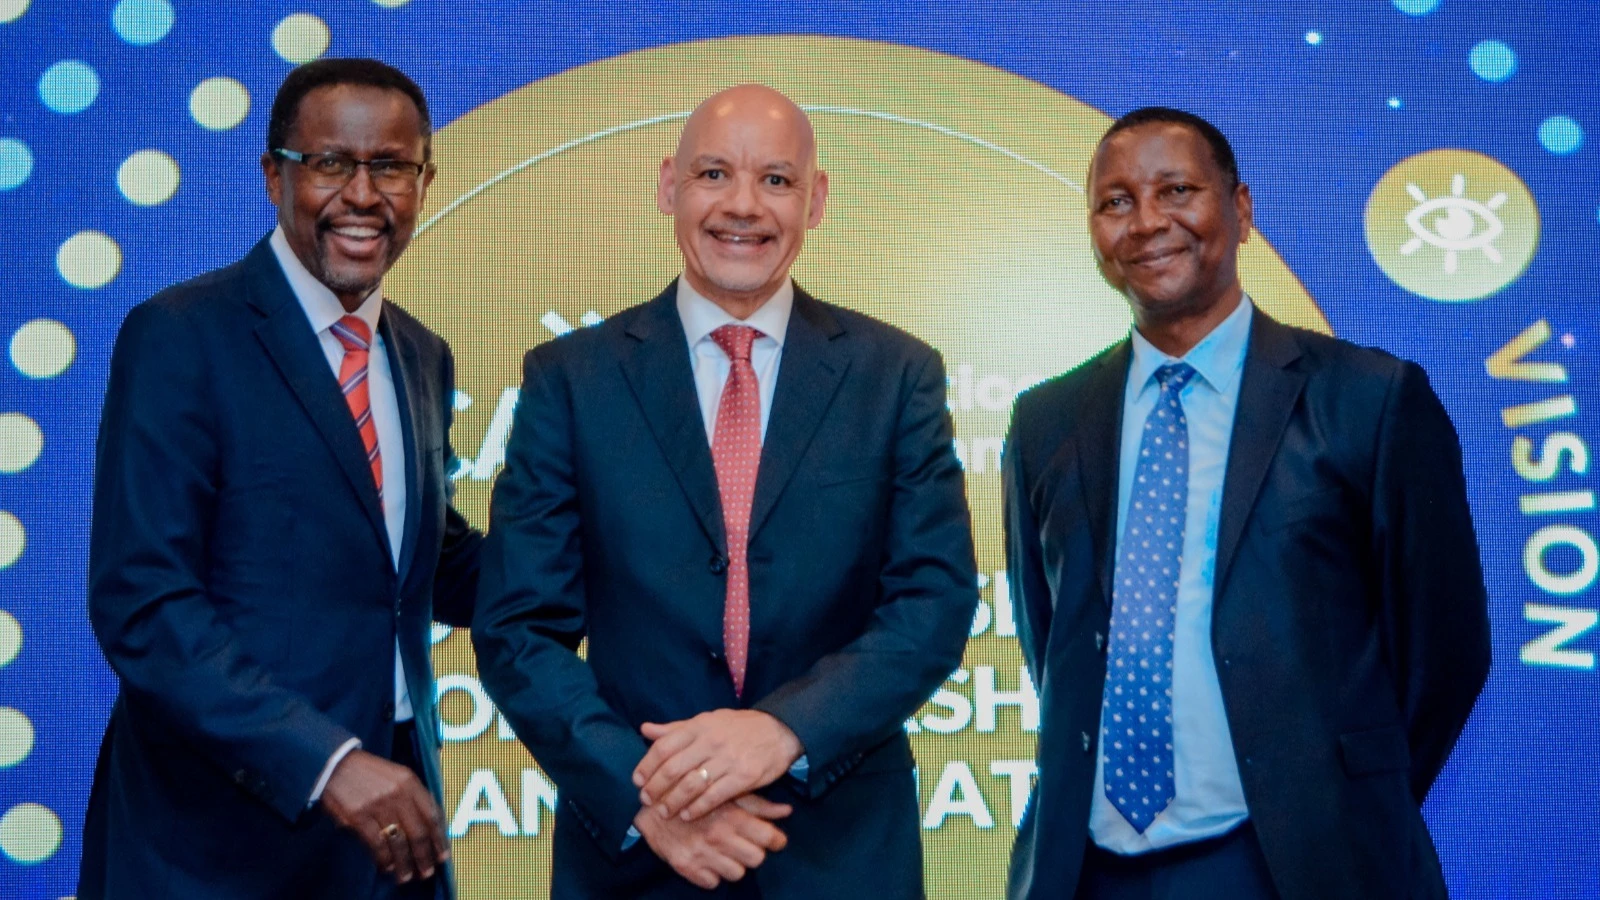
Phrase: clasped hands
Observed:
(697, 810)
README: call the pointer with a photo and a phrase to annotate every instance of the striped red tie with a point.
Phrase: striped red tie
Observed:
(357, 340)
(736, 454)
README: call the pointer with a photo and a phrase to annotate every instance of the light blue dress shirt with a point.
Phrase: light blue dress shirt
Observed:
(1209, 798)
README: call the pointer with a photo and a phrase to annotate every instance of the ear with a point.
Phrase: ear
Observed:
(1244, 208)
(666, 187)
(428, 171)
(274, 175)
(819, 199)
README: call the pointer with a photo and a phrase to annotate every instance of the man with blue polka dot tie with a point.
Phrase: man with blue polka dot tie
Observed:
(1247, 576)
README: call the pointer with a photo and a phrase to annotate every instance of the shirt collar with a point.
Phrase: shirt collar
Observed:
(319, 303)
(1218, 359)
(701, 316)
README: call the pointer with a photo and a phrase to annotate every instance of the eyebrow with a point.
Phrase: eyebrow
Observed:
(706, 160)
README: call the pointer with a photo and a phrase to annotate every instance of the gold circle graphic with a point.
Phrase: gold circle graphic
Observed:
(956, 212)
(1452, 225)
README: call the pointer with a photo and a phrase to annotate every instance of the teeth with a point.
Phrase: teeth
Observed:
(356, 231)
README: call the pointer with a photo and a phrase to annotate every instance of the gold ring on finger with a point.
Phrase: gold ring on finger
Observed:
(705, 777)
(390, 831)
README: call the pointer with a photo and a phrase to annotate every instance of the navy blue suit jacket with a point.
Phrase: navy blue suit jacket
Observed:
(607, 525)
(242, 588)
(1349, 626)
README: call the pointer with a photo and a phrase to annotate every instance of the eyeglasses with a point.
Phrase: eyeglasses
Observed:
(334, 170)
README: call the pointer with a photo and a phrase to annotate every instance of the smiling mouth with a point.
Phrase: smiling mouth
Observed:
(739, 239)
(356, 240)
(1156, 257)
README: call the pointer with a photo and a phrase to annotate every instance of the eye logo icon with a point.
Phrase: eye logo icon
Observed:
(1456, 230)
(1423, 205)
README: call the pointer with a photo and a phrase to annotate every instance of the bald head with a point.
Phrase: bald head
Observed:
(746, 107)
(743, 188)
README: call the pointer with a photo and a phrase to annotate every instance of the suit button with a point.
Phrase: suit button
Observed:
(718, 565)
(1227, 663)
(1099, 641)
(1086, 742)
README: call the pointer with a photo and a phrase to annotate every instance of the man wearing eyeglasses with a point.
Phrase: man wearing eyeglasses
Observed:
(273, 537)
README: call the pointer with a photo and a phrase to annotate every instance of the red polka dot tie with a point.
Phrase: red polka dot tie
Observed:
(357, 340)
(736, 453)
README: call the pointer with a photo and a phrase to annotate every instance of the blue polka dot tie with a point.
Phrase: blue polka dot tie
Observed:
(1136, 725)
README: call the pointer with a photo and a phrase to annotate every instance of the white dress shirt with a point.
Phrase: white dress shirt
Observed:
(1209, 798)
(322, 309)
(700, 317)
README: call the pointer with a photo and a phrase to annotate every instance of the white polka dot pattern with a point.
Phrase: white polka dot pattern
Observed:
(736, 453)
(1136, 724)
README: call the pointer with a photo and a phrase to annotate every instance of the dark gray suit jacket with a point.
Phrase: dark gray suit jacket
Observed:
(606, 525)
(1350, 626)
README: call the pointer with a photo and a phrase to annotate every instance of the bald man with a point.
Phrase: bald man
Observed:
(747, 501)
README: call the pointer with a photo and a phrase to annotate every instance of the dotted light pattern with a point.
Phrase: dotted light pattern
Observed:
(89, 259)
(20, 442)
(16, 737)
(43, 348)
(1136, 724)
(1561, 135)
(1492, 61)
(218, 104)
(142, 22)
(300, 38)
(1416, 7)
(69, 87)
(148, 178)
(16, 163)
(12, 10)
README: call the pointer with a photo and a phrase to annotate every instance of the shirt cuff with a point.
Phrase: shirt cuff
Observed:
(631, 839)
(338, 756)
(801, 770)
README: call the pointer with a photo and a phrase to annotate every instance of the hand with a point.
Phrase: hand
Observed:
(367, 794)
(735, 838)
(699, 764)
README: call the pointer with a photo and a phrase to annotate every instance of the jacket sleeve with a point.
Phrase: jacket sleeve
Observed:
(1030, 591)
(455, 581)
(928, 592)
(156, 485)
(531, 618)
(1435, 609)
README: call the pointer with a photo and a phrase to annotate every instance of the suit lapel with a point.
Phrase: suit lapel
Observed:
(406, 371)
(293, 347)
(655, 361)
(1100, 455)
(1267, 397)
(809, 375)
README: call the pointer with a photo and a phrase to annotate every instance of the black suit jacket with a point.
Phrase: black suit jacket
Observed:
(1349, 626)
(241, 586)
(606, 525)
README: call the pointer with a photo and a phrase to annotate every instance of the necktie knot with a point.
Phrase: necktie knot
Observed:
(735, 340)
(353, 333)
(1173, 376)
